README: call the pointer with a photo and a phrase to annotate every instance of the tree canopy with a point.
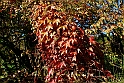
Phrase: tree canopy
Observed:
(61, 41)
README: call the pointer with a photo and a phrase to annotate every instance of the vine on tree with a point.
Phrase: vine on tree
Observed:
(66, 51)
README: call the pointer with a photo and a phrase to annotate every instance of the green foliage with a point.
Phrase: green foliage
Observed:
(15, 42)
(18, 53)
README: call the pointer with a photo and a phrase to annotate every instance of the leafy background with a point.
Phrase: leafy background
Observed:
(20, 58)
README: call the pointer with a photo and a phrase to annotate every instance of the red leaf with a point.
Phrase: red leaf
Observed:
(92, 40)
(12, 1)
(97, 64)
(59, 65)
(59, 78)
(53, 81)
(72, 54)
(81, 30)
(74, 28)
(108, 73)
(72, 79)
(50, 71)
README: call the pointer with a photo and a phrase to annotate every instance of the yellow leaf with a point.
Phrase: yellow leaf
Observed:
(57, 21)
(49, 27)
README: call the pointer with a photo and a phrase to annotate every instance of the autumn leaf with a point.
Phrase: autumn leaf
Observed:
(108, 74)
(65, 47)
(57, 21)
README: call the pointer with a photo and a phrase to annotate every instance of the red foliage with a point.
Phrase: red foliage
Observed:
(12, 1)
(108, 74)
(64, 47)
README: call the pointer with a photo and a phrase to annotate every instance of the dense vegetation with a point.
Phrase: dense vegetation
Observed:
(61, 41)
